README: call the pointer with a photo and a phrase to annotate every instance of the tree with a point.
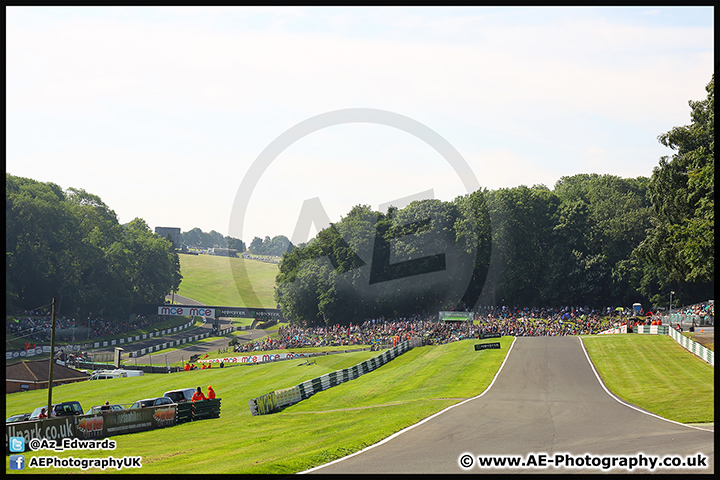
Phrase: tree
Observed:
(154, 268)
(69, 245)
(682, 192)
(256, 246)
(522, 222)
(418, 259)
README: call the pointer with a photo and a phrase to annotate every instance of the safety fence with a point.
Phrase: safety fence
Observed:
(684, 319)
(274, 401)
(200, 410)
(652, 329)
(692, 346)
(108, 424)
(260, 357)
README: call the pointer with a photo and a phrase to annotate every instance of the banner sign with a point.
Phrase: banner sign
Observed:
(93, 426)
(490, 335)
(484, 346)
(187, 310)
(239, 312)
(206, 311)
(621, 329)
(262, 358)
(55, 428)
(453, 316)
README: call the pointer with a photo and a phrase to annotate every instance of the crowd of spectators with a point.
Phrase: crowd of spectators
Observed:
(490, 320)
(35, 326)
(699, 309)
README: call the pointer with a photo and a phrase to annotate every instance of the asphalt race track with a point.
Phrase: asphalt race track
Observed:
(546, 399)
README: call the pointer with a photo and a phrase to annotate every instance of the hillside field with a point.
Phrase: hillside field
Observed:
(224, 281)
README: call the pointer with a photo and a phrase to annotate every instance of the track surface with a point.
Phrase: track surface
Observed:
(546, 399)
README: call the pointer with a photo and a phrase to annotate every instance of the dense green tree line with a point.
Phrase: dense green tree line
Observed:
(69, 245)
(197, 238)
(594, 240)
(428, 255)
(275, 246)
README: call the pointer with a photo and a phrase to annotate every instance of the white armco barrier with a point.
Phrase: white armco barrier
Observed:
(693, 346)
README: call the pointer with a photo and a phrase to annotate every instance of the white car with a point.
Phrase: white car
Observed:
(180, 396)
(152, 402)
(99, 409)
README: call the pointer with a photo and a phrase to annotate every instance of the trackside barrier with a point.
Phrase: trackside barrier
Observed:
(620, 329)
(692, 346)
(175, 343)
(273, 357)
(273, 401)
(113, 423)
(100, 425)
(652, 329)
(199, 410)
(685, 342)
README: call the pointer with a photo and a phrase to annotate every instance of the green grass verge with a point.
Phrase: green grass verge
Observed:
(655, 373)
(212, 280)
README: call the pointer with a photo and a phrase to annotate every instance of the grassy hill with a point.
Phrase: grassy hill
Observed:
(224, 281)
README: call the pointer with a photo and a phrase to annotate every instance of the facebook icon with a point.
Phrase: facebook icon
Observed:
(17, 462)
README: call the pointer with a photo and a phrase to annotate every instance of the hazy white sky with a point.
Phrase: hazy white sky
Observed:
(161, 112)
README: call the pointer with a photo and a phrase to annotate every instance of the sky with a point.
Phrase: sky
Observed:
(265, 121)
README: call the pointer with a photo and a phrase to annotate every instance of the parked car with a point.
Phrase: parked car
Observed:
(119, 373)
(20, 417)
(180, 396)
(99, 409)
(59, 409)
(152, 402)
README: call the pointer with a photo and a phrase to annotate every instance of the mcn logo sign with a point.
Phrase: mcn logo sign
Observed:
(189, 311)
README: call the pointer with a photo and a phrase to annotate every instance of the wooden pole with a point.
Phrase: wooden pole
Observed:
(52, 359)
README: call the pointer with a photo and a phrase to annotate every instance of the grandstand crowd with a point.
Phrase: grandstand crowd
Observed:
(35, 326)
(489, 320)
(699, 309)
